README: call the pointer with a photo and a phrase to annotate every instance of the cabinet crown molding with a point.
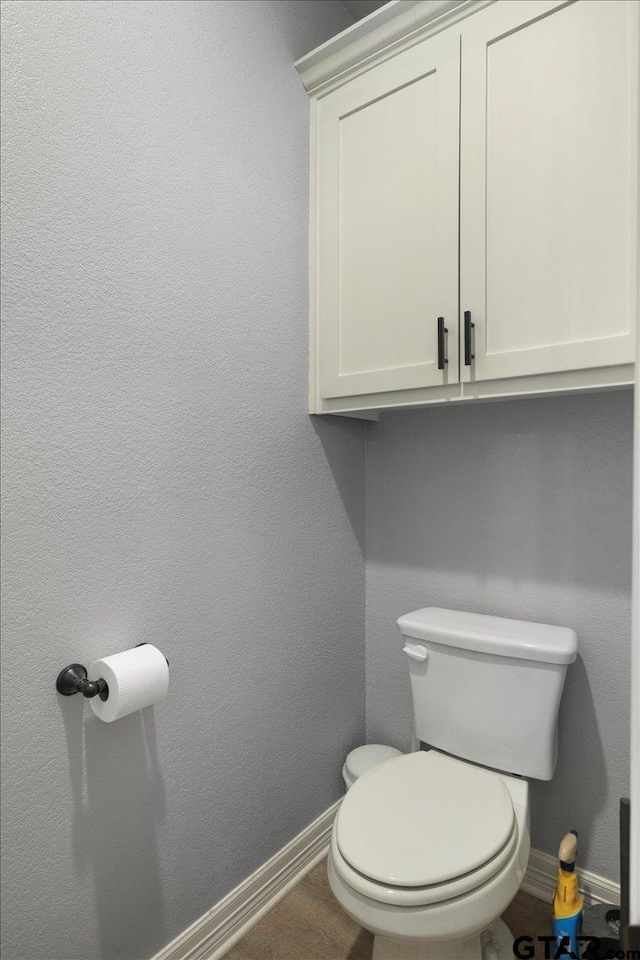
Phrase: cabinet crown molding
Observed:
(394, 27)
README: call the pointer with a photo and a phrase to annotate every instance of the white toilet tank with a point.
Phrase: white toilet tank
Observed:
(488, 689)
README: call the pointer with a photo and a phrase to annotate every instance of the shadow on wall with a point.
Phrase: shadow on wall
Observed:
(119, 804)
(509, 489)
(581, 777)
(342, 440)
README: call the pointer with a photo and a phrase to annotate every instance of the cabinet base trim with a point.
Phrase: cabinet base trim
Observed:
(552, 384)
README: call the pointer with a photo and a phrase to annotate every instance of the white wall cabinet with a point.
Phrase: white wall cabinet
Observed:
(546, 187)
(387, 257)
(482, 171)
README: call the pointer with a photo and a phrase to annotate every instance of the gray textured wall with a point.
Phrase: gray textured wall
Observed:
(519, 509)
(163, 481)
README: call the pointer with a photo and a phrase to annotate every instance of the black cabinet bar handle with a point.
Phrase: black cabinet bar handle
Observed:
(468, 327)
(442, 330)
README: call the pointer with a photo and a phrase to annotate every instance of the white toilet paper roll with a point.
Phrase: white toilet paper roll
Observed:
(136, 678)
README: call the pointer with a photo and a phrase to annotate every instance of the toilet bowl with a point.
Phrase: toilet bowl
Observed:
(364, 758)
(427, 851)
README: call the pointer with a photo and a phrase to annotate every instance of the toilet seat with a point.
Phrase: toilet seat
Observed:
(422, 896)
(423, 828)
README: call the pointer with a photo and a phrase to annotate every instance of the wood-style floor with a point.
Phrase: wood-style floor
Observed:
(308, 924)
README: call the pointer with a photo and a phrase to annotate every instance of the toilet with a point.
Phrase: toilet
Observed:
(429, 848)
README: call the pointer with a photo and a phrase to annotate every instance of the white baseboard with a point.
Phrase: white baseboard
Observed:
(210, 937)
(216, 931)
(540, 881)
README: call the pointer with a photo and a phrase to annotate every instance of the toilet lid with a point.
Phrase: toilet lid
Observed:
(424, 818)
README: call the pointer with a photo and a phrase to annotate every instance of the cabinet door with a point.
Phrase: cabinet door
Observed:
(387, 225)
(547, 192)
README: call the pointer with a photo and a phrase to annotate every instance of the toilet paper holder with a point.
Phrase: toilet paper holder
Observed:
(74, 679)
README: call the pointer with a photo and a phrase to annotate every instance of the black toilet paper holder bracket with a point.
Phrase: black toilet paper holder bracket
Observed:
(74, 679)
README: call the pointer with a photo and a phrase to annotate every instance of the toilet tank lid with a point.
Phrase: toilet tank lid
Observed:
(495, 635)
